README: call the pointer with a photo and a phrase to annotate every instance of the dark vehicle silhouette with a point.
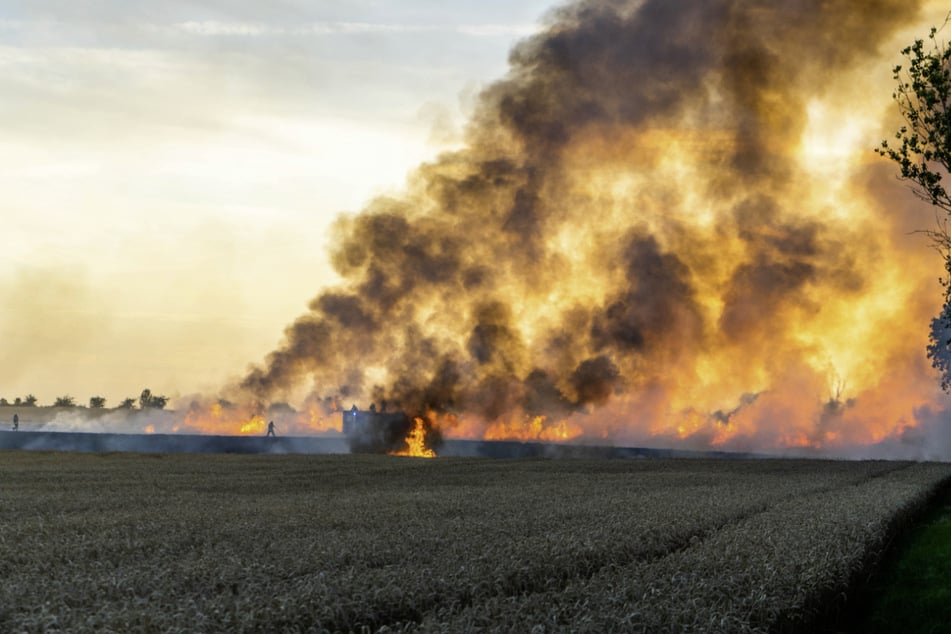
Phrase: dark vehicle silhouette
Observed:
(372, 431)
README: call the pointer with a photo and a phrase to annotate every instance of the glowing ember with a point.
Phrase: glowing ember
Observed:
(416, 442)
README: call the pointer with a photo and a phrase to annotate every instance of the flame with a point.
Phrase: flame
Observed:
(416, 442)
(316, 417)
(257, 425)
(322, 421)
(219, 419)
(536, 428)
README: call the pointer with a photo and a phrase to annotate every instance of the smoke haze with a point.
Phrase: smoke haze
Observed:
(666, 227)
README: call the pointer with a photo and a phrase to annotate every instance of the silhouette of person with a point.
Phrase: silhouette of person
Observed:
(270, 429)
(16, 422)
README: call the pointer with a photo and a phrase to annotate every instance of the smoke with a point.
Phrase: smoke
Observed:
(122, 421)
(37, 302)
(644, 239)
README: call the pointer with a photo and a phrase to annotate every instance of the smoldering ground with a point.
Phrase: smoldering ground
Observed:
(643, 229)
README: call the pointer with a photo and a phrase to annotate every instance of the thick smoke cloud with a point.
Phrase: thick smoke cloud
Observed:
(629, 241)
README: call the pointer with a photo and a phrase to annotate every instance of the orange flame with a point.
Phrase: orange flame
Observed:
(323, 421)
(532, 428)
(226, 420)
(250, 420)
(256, 426)
(416, 442)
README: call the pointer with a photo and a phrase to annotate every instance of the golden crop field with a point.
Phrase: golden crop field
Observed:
(126, 542)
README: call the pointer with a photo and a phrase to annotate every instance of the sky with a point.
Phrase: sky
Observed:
(170, 170)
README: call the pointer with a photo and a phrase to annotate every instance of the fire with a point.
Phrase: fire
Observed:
(223, 419)
(257, 425)
(322, 421)
(316, 417)
(685, 242)
(528, 428)
(416, 442)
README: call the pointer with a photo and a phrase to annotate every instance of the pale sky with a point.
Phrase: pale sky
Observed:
(169, 169)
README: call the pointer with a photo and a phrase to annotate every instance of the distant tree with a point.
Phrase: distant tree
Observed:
(97, 402)
(29, 401)
(147, 400)
(922, 151)
(64, 401)
(128, 403)
(3, 401)
(18, 401)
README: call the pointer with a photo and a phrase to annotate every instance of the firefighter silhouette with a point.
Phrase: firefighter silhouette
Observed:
(16, 422)
(270, 429)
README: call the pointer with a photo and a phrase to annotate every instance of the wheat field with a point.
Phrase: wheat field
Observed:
(169, 543)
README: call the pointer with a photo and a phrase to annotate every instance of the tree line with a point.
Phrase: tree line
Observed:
(146, 400)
